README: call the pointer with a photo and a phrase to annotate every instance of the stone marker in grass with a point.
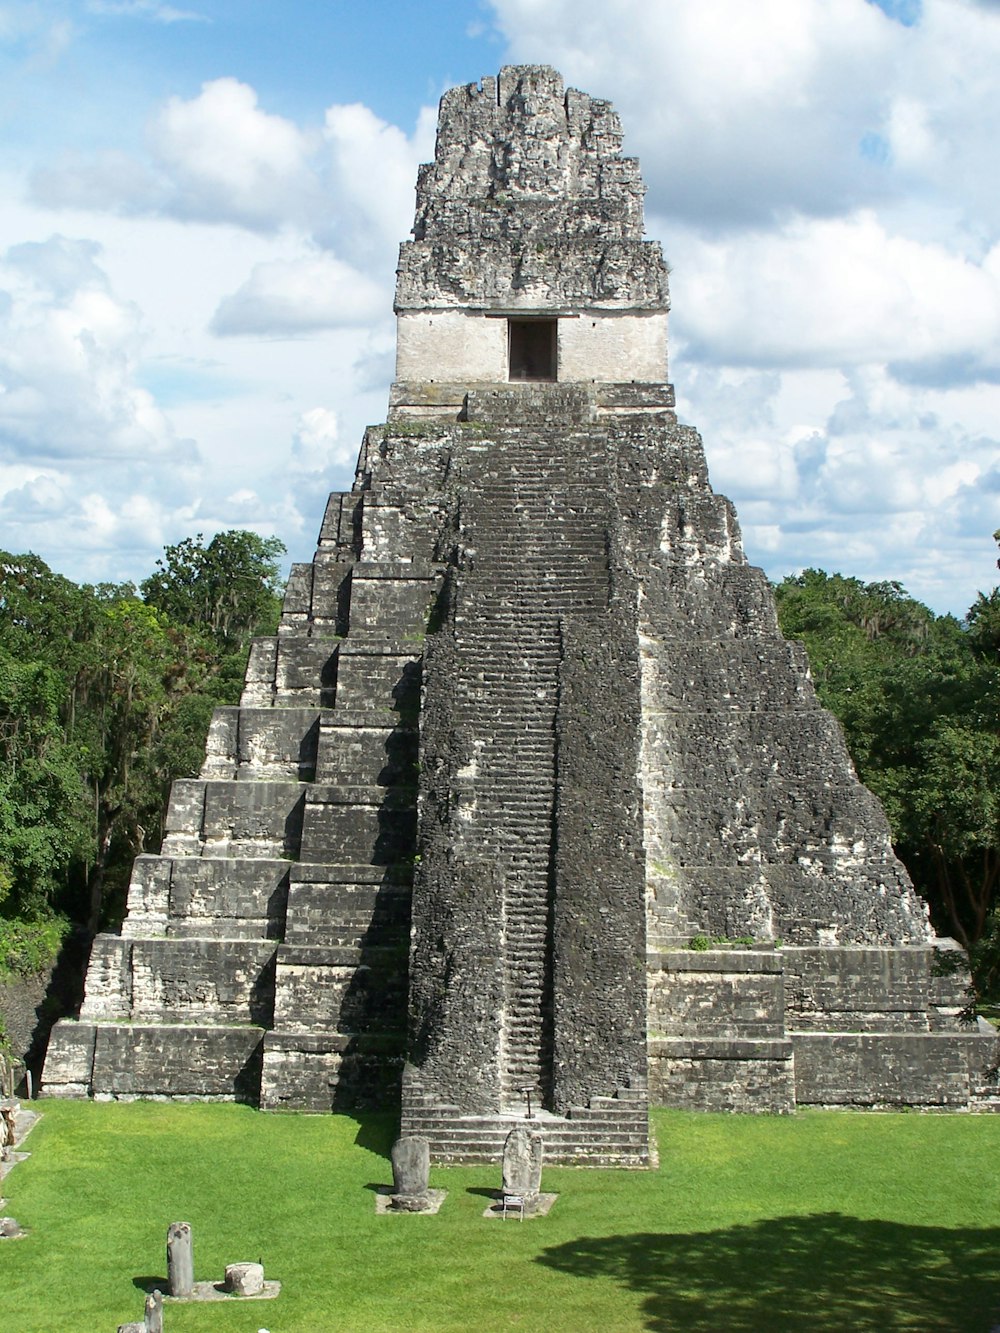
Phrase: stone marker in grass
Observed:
(411, 1167)
(245, 1279)
(522, 1166)
(153, 1317)
(180, 1259)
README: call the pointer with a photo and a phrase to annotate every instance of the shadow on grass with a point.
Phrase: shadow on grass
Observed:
(825, 1273)
(377, 1131)
(149, 1284)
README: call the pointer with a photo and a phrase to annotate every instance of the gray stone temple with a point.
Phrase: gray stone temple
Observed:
(528, 728)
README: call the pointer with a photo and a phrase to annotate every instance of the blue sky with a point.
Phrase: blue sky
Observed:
(200, 205)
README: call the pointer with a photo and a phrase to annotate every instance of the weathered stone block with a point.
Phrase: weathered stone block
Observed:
(245, 1279)
(883, 1069)
(722, 1074)
(523, 1151)
(379, 678)
(180, 1260)
(723, 993)
(411, 1165)
(253, 819)
(69, 1059)
(207, 1062)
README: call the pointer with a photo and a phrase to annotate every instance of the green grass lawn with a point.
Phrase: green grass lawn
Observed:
(820, 1221)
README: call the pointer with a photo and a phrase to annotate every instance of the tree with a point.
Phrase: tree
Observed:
(230, 588)
(105, 697)
(44, 824)
(917, 696)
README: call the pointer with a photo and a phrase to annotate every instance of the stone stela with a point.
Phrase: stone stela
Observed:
(180, 1260)
(411, 1169)
(522, 1166)
(527, 727)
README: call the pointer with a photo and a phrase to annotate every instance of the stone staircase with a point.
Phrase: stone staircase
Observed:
(264, 952)
(535, 525)
(610, 1131)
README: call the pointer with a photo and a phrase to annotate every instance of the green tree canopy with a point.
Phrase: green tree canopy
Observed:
(105, 697)
(918, 696)
(231, 587)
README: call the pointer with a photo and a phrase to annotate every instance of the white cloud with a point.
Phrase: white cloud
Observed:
(317, 446)
(227, 160)
(287, 297)
(67, 360)
(884, 481)
(153, 10)
(220, 158)
(839, 292)
(373, 168)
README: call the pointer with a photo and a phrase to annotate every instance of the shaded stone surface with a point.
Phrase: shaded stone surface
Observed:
(387, 1202)
(153, 1312)
(411, 1165)
(217, 1291)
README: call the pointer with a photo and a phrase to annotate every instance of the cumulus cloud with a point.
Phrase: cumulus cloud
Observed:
(317, 446)
(289, 297)
(227, 160)
(343, 191)
(871, 296)
(68, 356)
(375, 207)
(220, 157)
(876, 478)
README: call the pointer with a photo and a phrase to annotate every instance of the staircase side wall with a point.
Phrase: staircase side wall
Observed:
(599, 909)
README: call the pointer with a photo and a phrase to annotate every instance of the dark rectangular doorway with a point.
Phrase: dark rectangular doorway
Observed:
(532, 345)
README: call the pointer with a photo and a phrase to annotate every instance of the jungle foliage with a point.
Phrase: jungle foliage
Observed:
(918, 697)
(106, 693)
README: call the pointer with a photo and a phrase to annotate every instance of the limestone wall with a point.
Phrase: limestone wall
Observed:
(471, 347)
(770, 1030)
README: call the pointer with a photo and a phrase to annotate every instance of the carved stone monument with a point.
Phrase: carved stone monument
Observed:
(529, 709)
(8, 1132)
(522, 1166)
(153, 1312)
(411, 1167)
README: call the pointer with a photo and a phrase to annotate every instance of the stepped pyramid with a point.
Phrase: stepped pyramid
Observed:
(527, 728)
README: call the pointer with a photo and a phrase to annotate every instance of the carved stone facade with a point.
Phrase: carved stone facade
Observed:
(527, 728)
